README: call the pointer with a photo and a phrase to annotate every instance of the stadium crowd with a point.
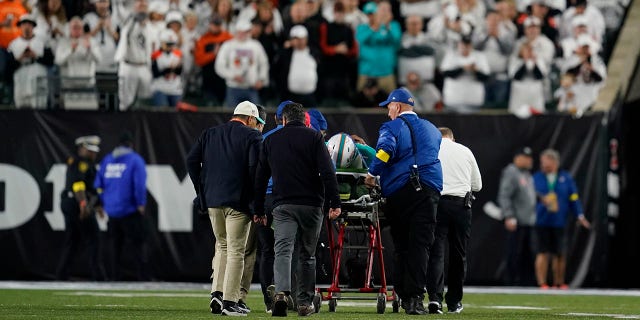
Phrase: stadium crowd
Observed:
(526, 55)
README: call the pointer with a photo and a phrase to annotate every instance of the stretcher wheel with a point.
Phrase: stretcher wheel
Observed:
(333, 303)
(396, 303)
(317, 302)
(382, 303)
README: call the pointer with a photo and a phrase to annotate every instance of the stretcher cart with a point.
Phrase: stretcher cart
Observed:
(360, 214)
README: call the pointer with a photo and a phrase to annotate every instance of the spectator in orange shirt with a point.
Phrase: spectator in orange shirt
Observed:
(10, 12)
(213, 86)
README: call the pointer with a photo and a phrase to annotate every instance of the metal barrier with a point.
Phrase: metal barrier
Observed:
(78, 93)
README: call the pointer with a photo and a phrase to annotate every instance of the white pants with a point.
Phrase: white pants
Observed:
(133, 81)
(30, 86)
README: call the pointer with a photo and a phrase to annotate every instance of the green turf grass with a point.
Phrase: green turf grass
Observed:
(77, 304)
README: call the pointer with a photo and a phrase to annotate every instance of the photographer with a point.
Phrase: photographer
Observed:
(461, 177)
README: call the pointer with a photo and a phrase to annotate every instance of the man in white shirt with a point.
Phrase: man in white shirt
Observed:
(134, 55)
(29, 58)
(594, 16)
(461, 177)
(297, 69)
(243, 63)
(77, 56)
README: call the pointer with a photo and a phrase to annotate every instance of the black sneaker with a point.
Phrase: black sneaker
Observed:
(215, 305)
(243, 306)
(279, 305)
(231, 309)
(457, 308)
(435, 307)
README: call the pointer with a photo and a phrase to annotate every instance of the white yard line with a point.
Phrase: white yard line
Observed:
(132, 294)
(513, 307)
(605, 315)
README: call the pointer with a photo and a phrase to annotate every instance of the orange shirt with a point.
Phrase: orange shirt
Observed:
(204, 52)
(10, 9)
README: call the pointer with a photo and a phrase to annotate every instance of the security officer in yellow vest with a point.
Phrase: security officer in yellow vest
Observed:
(79, 199)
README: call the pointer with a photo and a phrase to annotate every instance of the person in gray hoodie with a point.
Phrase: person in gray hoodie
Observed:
(517, 199)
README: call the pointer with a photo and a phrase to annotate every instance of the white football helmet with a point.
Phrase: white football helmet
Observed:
(342, 150)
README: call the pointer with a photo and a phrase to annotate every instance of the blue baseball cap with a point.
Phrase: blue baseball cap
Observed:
(281, 107)
(318, 121)
(370, 8)
(401, 95)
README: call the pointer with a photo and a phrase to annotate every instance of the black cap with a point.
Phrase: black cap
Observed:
(524, 151)
(581, 3)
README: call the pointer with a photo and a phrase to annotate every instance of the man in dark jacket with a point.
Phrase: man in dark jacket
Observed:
(297, 159)
(222, 166)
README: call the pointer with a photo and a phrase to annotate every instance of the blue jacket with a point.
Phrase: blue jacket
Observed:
(122, 182)
(394, 157)
(378, 49)
(264, 136)
(567, 194)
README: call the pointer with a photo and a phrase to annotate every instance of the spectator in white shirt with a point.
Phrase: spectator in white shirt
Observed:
(157, 12)
(426, 96)
(28, 59)
(243, 63)
(589, 72)
(593, 15)
(528, 73)
(190, 36)
(414, 34)
(103, 29)
(134, 55)
(77, 56)
(166, 66)
(447, 28)
(570, 44)
(296, 69)
(465, 70)
(542, 46)
(496, 41)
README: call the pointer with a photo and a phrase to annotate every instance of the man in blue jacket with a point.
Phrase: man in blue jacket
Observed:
(411, 180)
(557, 195)
(122, 184)
(222, 165)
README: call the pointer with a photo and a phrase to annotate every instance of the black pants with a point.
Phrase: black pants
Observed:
(454, 228)
(520, 257)
(130, 228)
(265, 246)
(412, 218)
(77, 233)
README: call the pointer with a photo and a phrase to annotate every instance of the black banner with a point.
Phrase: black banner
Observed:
(36, 145)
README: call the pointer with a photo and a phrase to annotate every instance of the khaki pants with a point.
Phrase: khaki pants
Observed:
(249, 262)
(230, 228)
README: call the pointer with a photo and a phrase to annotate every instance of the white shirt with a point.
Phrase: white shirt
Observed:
(460, 172)
(303, 74)
(242, 58)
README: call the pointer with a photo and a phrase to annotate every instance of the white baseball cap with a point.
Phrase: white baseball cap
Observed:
(173, 16)
(91, 143)
(580, 20)
(298, 31)
(243, 25)
(168, 36)
(248, 109)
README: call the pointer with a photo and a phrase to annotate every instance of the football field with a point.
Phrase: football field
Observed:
(49, 300)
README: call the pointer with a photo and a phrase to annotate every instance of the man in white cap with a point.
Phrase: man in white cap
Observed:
(297, 76)
(29, 58)
(222, 166)
(244, 65)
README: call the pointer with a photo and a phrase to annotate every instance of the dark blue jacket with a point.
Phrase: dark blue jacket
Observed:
(297, 159)
(222, 165)
(568, 199)
(394, 156)
(122, 182)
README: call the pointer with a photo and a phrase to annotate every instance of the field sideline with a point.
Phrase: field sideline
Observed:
(160, 300)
